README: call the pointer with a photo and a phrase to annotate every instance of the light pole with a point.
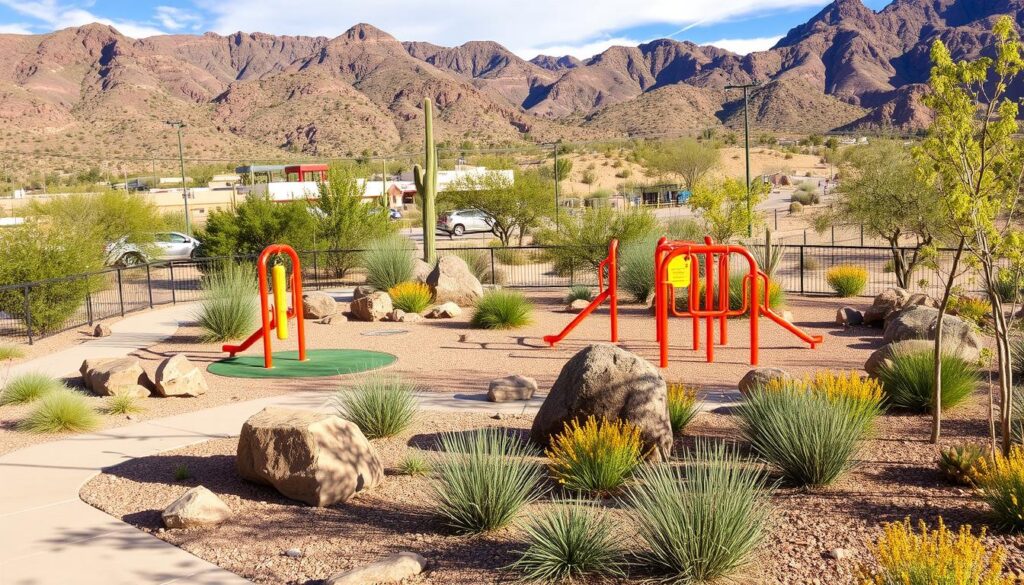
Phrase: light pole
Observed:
(181, 160)
(554, 146)
(746, 149)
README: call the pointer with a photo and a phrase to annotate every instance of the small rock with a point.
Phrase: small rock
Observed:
(101, 330)
(463, 337)
(396, 316)
(325, 321)
(391, 569)
(509, 388)
(787, 316)
(196, 507)
(372, 307)
(361, 291)
(444, 311)
(498, 416)
(759, 377)
(293, 553)
(839, 554)
(317, 305)
(577, 306)
(107, 377)
(849, 317)
(177, 376)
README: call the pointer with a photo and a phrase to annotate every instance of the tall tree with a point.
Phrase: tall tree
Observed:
(978, 166)
(685, 157)
(515, 205)
(722, 207)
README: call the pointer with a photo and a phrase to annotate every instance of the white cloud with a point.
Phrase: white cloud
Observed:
(15, 28)
(52, 15)
(744, 46)
(173, 18)
(580, 51)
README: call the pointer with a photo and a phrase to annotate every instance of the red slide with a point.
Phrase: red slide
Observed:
(812, 340)
(256, 336)
(609, 293)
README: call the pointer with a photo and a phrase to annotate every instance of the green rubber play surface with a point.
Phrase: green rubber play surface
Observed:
(319, 363)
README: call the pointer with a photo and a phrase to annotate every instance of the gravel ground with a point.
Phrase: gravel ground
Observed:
(895, 477)
(49, 344)
(449, 356)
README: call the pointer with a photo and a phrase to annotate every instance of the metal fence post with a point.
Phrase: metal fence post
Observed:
(174, 297)
(28, 316)
(316, 272)
(493, 276)
(776, 219)
(149, 285)
(805, 237)
(801, 269)
(88, 305)
(120, 291)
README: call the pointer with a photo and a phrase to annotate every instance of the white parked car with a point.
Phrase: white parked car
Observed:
(464, 221)
(167, 246)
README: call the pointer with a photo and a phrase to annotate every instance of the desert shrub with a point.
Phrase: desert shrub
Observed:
(1001, 482)
(684, 229)
(510, 256)
(229, 309)
(683, 406)
(1008, 285)
(636, 268)
(775, 296)
(123, 404)
(479, 263)
(10, 352)
(388, 262)
(701, 521)
(581, 242)
(502, 309)
(1017, 412)
(801, 198)
(381, 405)
(973, 309)
(796, 207)
(908, 380)
(597, 457)
(811, 263)
(411, 297)
(924, 557)
(579, 292)
(847, 280)
(810, 437)
(483, 478)
(28, 387)
(62, 410)
(962, 464)
(182, 473)
(575, 540)
(414, 464)
(344, 221)
(861, 393)
(254, 224)
(768, 258)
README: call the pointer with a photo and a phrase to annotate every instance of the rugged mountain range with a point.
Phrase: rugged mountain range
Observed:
(92, 91)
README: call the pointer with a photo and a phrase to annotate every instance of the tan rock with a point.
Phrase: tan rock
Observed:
(373, 307)
(510, 388)
(107, 377)
(885, 304)
(317, 305)
(196, 507)
(177, 376)
(316, 458)
(452, 281)
(421, 270)
(761, 376)
(101, 330)
(391, 569)
(577, 306)
(444, 311)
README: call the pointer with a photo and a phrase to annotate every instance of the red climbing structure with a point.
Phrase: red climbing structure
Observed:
(610, 294)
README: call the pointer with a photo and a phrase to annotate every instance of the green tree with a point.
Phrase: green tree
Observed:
(581, 241)
(685, 157)
(971, 153)
(344, 221)
(255, 224)
(515, 205)
(722, 207)
(882, 191)
(98, 219)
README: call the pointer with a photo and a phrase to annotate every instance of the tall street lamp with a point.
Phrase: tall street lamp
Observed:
(554, 147)
(746, 149)
(181, 160)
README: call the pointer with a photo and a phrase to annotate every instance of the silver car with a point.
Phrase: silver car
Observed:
(464, 221)
(166, 246)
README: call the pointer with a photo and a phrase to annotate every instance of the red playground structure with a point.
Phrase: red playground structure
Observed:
(281, 314)
(676, 266)
(604, 294)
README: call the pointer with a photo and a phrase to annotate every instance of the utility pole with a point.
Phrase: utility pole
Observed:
(557, 179)
(746, 149)
(181, 160)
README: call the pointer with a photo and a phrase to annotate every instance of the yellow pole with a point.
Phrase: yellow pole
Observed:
(280, 300)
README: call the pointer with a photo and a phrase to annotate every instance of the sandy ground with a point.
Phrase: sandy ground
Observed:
(49, 344)
(434, 355)
(895, 477)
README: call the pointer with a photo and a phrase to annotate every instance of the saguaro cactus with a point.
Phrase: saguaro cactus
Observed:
(426, 185)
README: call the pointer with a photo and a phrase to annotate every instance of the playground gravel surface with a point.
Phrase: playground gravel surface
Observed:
(450, 356)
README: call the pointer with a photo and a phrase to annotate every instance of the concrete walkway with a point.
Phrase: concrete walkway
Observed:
(49, 535)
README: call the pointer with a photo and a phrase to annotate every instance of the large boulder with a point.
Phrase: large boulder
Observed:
(510, 388)
(373, 307)
(317, 305)
(451, 281)
(420, 270)
(881, 355)
(107, 377)
(885, 304)
(361, 291)
(196, 507)
(391, 569)
(177, 376)
(606, 381)
(317, 458)
(919, 321)
(759, 377)
(921, 299)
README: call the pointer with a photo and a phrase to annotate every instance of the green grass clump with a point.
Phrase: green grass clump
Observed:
(908, 380)
(414, 464)
(701, 521)
(62, 410)
(381, 405)
(810, 437)
(388, 262)
(636, 268)
(579, 292)
(411, 297)
(574, 541)
(847, 280)
(479, 263)
(596, 457)
(29, 387)
(483, 478)
(181, 473)
(502, 309)
(1001, 483)
(1008, 285)
(10, 352)
(230, 307)
(683, 406)
(973, 309)
(123, 404)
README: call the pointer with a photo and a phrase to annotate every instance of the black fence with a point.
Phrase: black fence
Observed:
(29, 311)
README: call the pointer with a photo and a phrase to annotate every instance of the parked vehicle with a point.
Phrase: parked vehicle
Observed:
(166, 246)
(393, 214)
(464, 221)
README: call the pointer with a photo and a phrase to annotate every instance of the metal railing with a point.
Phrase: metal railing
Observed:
(32, 310)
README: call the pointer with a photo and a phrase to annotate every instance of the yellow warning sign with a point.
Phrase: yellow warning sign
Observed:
(679, 271)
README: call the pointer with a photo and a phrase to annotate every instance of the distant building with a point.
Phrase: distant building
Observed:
(444, 178)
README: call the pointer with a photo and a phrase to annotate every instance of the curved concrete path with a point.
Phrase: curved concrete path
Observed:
(49, 535)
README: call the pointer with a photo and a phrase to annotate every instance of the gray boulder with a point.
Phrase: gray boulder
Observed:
(317, 305)
(885, 304)
(919, 321)
(608, 382)
(849, 317)
(361, 291)
(196, 507)
(761, 376)
(510, 388)
(373, 307)
(921, 299)
(452, 281)
(882, 354)
(320, 459)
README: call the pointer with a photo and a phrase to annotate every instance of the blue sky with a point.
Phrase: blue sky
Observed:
(578, 27)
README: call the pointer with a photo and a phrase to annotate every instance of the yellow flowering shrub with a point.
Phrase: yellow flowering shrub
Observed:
(682, 405)
(411, 297)
(1001, 480)
(596, 457)
(934, 557)
(847, 280)
(832, 385)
